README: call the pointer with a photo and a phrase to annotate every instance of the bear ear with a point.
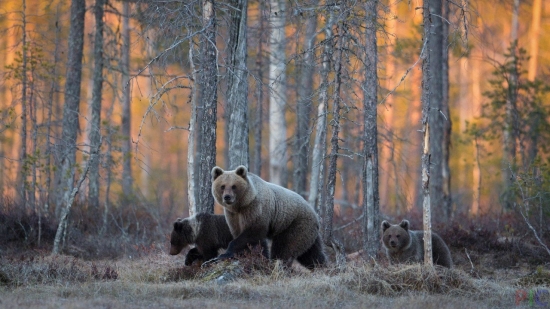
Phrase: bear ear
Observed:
(404, 224)
(385, 225)
(241, 171)
(178, 225)
(216, 172)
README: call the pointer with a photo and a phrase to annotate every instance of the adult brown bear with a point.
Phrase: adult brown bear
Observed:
(256, 209)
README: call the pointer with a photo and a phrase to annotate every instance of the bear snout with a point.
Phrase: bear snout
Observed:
(228, 199)
(393, 244)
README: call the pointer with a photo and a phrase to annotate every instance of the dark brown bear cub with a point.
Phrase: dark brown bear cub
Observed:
(406, 246)
(208, 232)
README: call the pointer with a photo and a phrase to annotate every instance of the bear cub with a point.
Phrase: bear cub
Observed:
(208, 232)
(405, 246)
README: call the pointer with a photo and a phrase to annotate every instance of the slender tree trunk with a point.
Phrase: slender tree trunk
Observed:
(303, 108)
(62, 226)
(509, 135)
(22, 174)
(427, 98)
(277, 98)
(191, 188)
(447, 125)
(71, 109)
(534, 37)
(387, 156)
(328, 213)
(238, 86)
(208, 81)
(319, 145)
(257, 167)
(126, 125)
(371, 198)
(54, 89)
(95, 133)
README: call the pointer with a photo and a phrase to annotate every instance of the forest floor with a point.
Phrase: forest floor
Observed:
(158, 280)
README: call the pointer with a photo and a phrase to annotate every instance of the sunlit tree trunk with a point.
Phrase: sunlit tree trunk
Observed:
(258, 123)
(277, 96)
(208, 83)
(387, 110)
(93, 192)
(371, 199)
(71, 109)
(126, 124)
(534, 37)
(191, 166)
(303, 108)
(238, 86)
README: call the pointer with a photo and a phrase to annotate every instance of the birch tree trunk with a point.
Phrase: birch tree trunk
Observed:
(319, 145)
(277, 97)
(71, 109)
(371, 199)
(191, 188)
(126, 101)
(426, 130)
(238, 86)
(208, 83)
(93, 192)
(303, 108)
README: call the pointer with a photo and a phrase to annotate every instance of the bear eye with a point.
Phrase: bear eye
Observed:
(233, 187)
(223, 187)
(397, 236)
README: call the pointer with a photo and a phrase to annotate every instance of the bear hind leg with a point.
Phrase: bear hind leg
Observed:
(293, 242)
(314, 256)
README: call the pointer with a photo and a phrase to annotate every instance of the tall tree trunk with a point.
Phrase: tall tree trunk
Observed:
(387, 156)
(277, 97)
(54, 89)
(476, 113)
(22, 174)
(509, 136)
(208, 81)
(303, 108)
(427, 99)
(328, 212)
(71, 109)
(435, 97)
(257, 167)
(238, 86)
(126, 124)
(447, 125)
(319, 145)
(191, 166)
(371, 198)
(95, 133)
(534, 37)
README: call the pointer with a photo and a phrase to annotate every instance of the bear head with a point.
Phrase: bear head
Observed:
(231, 189)
(182, 236)
(396, 236)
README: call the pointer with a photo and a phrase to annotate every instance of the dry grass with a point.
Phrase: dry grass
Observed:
(161, 281)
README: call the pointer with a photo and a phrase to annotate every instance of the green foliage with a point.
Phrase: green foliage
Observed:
(529, 115)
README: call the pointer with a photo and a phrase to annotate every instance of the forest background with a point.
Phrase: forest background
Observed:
(151, 104)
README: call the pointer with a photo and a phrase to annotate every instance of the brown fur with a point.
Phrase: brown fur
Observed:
(406, 246)
(208, 232)
(256, 210)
